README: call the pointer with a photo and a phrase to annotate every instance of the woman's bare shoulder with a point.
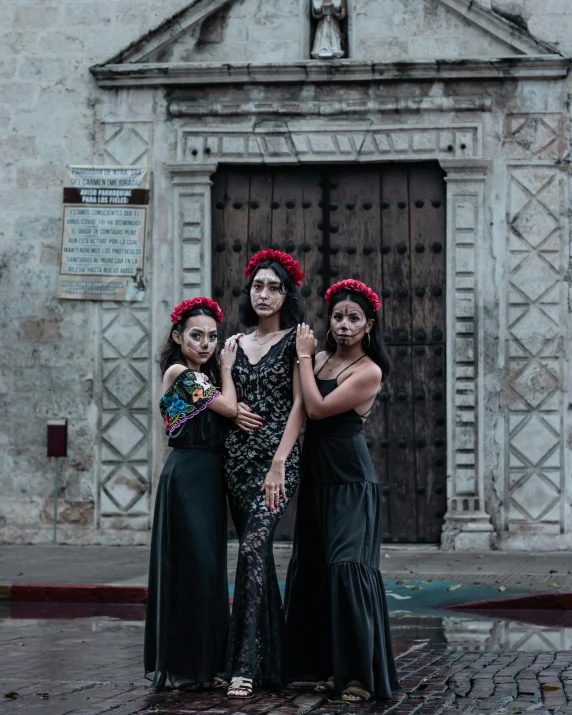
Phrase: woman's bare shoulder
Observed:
(372, 369)
(171, 374)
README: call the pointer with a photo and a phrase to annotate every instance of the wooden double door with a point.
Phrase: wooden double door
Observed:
(383, 225)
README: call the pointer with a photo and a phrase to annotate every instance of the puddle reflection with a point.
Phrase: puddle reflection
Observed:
(487, 631)
(492, 632)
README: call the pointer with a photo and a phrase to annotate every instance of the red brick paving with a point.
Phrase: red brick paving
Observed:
(93, 666)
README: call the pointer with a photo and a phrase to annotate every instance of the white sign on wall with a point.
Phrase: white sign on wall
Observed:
(103, 236)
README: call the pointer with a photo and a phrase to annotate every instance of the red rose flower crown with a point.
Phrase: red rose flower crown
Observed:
(200, 302)
(290, 265)
(352, 286)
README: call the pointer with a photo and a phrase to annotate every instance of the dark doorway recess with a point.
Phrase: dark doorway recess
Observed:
(384, 225)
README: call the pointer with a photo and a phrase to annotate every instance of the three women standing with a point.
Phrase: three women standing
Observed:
(337, 619)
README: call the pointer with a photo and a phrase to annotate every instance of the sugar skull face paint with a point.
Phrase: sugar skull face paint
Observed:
(198, 339)
(266, 293)
(348, 323)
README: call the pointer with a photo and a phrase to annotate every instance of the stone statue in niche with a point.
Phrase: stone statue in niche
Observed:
(328, 39)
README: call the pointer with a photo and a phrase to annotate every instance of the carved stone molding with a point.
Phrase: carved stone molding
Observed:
(467, 525)
(335, 107)
(536, 488)
(192, 226)
(293, 143)
(163, 74)
(124, 382)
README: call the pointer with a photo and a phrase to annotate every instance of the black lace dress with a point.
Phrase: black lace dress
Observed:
(257, 623)
(186, 626)
(337, 622)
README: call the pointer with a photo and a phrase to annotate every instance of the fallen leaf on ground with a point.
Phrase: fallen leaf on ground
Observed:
(502, 588)
(549, 688)
(454, 588)
(480, 556)
(21, 573)
(12, 695)
(553, 571)
(413, 586)
(544, 580)
(518, 583)
(430, 581)
(556, 585)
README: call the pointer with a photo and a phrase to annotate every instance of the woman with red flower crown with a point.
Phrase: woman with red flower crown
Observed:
(261, 463)
(337, 624)
(186, 626)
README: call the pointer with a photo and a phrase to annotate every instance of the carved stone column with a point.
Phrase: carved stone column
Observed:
(192, 230)
(467, 525)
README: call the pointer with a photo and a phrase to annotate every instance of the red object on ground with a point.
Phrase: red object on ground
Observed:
(558, 601)
(66, 593)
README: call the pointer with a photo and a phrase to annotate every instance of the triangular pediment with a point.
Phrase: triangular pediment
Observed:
(233, 33)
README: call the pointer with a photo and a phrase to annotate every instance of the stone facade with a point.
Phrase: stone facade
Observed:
(480, 88)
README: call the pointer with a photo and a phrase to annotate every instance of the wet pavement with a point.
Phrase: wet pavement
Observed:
(55, 663)
(127, 565)
(86, 659)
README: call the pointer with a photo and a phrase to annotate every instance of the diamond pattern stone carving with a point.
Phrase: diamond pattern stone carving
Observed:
(124, 384)
(535, 440)
(535, 496)
(125, 359)
(534, 223)
(124, 333)
(533, 329)
(535, 480)
(123, 435)
(542, 136)
(127, 143)
(125, 489)
(534, 277)
(535, 383)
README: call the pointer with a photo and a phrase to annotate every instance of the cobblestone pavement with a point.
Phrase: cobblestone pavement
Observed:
(91, 666)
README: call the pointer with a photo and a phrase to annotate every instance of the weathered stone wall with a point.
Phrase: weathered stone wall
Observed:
(95, 363)
(49, 348)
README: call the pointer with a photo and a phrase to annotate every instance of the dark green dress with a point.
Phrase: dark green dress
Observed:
(336, 611)
(186, 627)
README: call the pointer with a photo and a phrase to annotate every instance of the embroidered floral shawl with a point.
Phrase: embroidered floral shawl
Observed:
(189, 394)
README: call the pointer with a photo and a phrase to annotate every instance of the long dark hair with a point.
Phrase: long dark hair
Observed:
(291, 312)
(171, 354)
(374, 346)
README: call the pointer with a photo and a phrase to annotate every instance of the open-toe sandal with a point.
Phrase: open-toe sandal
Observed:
(355, 693)
(219, 682)
(239, 684)
(326, 686)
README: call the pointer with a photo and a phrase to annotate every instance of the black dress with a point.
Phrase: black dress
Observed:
(336, 611)
(186, 625)
(256, 635)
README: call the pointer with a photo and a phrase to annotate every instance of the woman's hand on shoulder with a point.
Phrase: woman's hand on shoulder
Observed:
(234, 338)
(306, 343)
(171, 374)
(228, 354)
